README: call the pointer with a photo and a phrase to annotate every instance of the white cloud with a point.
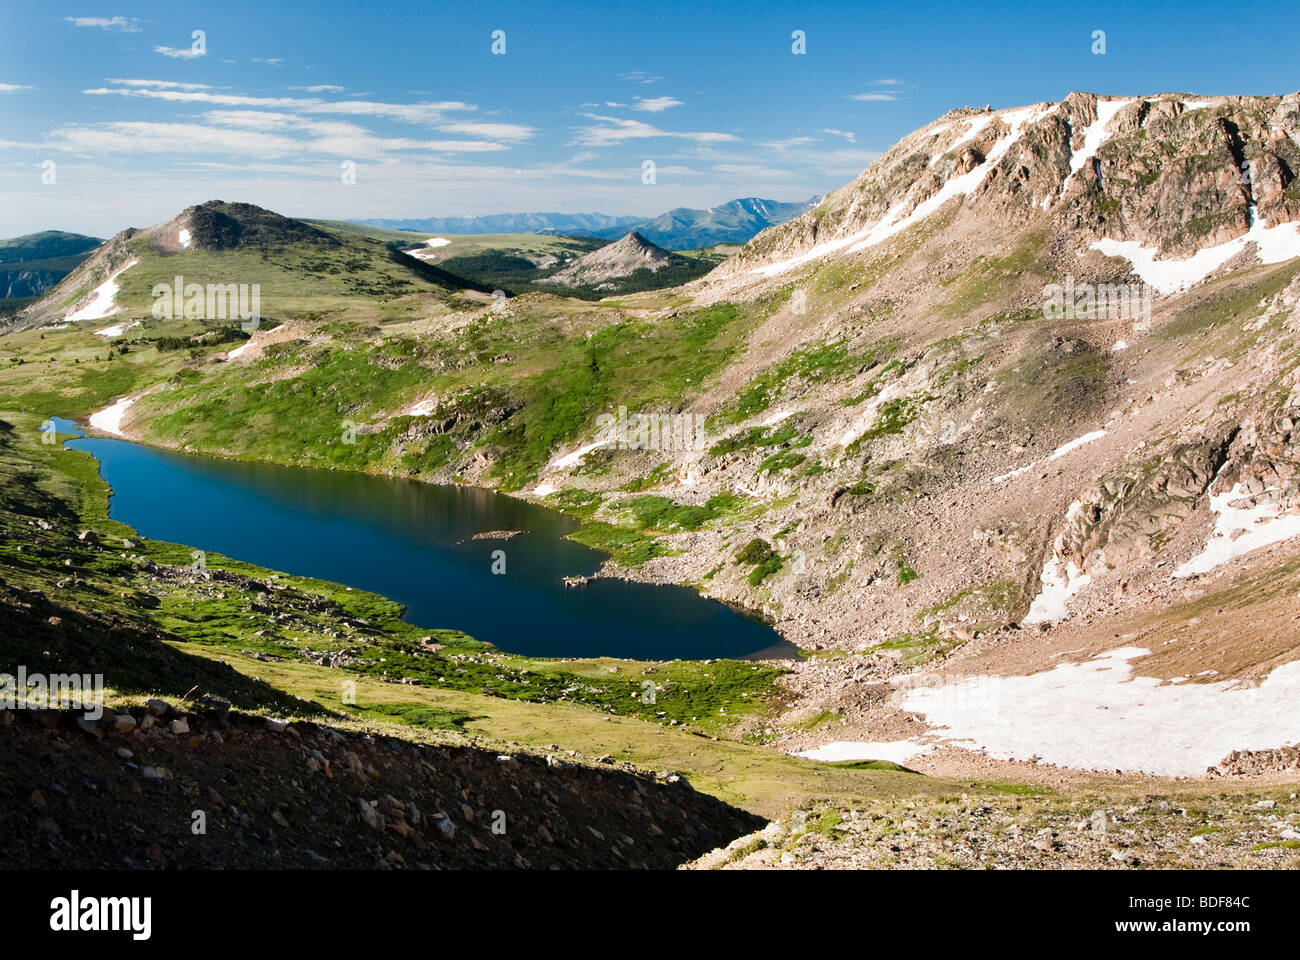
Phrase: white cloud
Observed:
(494, 131)
(655, 104)
(14, 87)
(161, 84)
(841, 133)
(251, 133)
(614, 130)
(750, 170)
(180, 53)
(124, 24)
(889, 82)
(639, 76)
(149, 137)
(872, 96)
(407, 112)
(192, 96)
(789, 142)
(321, 88)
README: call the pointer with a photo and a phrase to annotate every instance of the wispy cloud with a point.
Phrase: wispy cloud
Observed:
(614, 130)
(321, 88)
(124, 24)
(655, 104)
(428, 112)
(161, 84)
(639, 76)
(281, 126)
(493, 131)
(847, 135)
(180, 53)
(251, 133)
(893, 87)
(751, 170)
(789, 142)
(14, 87)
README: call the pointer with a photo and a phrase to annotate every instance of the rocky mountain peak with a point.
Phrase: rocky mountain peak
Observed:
(1173, 173)
(616, 260)
(218, 225)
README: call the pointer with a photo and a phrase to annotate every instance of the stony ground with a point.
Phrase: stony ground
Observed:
(125, 791)
(1252, 830)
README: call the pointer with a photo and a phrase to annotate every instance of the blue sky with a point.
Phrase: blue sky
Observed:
(138, 125)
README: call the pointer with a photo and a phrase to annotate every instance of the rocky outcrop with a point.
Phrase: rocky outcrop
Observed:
(1129, 514)
(615, 262)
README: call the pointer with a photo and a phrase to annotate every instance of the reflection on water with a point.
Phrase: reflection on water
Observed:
(414, 542)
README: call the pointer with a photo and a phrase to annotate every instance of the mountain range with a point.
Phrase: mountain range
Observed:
(1004, 435)
(683, 228)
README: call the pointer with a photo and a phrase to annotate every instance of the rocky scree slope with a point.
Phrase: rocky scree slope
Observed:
(121, 792)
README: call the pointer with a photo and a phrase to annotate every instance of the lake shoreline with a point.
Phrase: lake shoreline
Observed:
(779, 648)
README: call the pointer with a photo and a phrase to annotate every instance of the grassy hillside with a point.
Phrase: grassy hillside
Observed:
(134, 610)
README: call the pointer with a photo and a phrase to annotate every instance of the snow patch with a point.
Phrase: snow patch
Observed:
(1056, 454)
(895, 222)
(184, 238)
(543, 489)
(109, 420)
(1075, 444)
(1059, 585)
(239, 350)
(973, 128)
(894, 751)
(1096, 134)
(573, 458)
(1239, 530)
(101, 303)
(1098, 716)
(117, 329)
(437, 242)
(1003, 478)
(421, 408)
(1275, 244)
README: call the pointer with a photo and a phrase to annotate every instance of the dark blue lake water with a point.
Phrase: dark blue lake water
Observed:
(413, 542)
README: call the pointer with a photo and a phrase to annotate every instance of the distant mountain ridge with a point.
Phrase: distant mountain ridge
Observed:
(32, 264)
(736, 221)
(683, 228)
(581, 224)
